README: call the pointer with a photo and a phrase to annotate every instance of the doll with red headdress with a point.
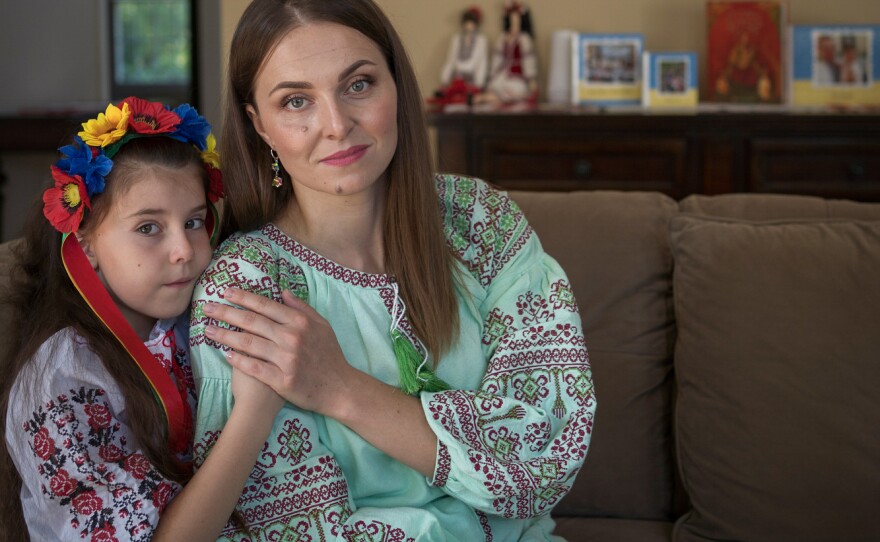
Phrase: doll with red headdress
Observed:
(514, 67)
(467, 61)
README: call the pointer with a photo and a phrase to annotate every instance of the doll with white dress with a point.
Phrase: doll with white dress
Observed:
(467, 61)
(514, 68)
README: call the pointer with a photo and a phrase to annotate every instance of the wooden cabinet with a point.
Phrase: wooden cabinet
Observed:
(823, 154)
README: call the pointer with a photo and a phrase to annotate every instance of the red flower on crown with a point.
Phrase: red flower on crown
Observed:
(215, 183)
(150, 117)
(65, 203)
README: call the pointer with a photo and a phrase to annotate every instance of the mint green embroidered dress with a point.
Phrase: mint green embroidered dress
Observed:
(513, 430)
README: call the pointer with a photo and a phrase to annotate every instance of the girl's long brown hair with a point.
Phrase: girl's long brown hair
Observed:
(416, 251)
(42, 300)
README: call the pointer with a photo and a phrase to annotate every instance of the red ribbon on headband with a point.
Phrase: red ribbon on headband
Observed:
(92, 290)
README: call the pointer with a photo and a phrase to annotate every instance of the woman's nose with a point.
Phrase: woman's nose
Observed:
(336, 119)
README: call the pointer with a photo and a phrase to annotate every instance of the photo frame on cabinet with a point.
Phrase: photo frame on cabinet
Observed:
(744, 51)
(835, 65)
(606, 68)
(669, 79)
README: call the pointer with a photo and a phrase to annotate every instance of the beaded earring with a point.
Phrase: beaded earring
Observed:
(276, 169)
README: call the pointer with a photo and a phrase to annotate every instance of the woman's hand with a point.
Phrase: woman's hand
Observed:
(292, 349)
(289, 347)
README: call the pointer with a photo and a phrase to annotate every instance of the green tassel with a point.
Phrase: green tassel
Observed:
(408, 361)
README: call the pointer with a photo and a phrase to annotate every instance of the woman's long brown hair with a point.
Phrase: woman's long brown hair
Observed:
(42, 300)
(416, 251)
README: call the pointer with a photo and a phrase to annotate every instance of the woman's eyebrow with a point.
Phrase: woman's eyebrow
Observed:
(351, 69)
(304, 85)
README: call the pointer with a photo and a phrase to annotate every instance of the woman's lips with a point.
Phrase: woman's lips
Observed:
(346, 157)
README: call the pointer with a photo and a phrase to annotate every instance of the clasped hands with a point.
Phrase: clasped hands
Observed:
(288, 346)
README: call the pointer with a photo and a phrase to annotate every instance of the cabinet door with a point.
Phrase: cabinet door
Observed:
(838, 167)
(617, 162)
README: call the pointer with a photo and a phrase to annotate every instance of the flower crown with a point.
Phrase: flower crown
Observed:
(81, 173)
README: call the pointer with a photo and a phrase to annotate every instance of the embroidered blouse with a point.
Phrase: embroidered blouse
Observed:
(513, 430)
(84, 475)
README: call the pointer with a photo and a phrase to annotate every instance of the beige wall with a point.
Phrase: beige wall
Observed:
(426, 25)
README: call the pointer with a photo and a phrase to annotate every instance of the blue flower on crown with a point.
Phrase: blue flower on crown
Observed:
(193, 128)
(87, 162)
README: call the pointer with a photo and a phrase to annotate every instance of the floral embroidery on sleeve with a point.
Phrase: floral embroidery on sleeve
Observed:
(82, 453)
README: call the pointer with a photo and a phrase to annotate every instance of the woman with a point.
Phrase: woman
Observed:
(430, 352)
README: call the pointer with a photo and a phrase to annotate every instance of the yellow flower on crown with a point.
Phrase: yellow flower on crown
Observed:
(210, 154)
(108, 128)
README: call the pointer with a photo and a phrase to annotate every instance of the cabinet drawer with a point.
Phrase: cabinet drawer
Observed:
(838, 167)
(565, 164)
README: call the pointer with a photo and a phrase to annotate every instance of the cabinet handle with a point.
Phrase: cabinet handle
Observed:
(855, 171)
(583, 169)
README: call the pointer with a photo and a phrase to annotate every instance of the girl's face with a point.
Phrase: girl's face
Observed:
(326, 101)
(152, 245)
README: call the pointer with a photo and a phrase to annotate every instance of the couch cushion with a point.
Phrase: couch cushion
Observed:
(777, 207)
(612, 530)
(614, 249)
(777, 363)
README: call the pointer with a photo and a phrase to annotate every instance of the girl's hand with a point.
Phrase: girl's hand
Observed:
(288, 346)
(254, 397)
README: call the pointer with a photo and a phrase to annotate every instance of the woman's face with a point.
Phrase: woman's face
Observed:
(326, 101)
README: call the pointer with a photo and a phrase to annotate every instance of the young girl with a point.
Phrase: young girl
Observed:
(98, 394)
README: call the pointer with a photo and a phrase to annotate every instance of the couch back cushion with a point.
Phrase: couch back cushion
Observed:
(777, 363)
(614, 249)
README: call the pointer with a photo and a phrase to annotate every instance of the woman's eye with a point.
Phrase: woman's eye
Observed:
(296, 102)
(148, 229)
(359, 86)
(195, 223)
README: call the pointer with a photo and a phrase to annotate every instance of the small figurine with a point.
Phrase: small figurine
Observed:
(514, 69)
(467, 63)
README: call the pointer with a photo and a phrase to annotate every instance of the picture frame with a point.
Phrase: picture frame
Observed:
(744, 51)
(606, 68)
(669, 79)
(835, 65)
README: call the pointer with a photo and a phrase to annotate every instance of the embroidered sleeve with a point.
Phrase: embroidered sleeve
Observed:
(78, 461)
(513, 447)
(296, 488)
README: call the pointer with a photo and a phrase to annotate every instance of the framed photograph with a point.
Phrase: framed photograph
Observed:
(606, 68)
(669, 79)
(835, 65)
(744, 59)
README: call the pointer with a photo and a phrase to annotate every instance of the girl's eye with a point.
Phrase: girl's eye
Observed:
(195, 223)
(148, 229)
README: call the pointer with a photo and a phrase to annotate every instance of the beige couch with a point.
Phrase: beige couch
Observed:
(735, 344)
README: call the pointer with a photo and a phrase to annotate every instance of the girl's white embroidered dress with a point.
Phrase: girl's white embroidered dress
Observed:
(85, 475)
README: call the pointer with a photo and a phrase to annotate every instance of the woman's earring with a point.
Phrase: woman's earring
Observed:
(276, 169)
